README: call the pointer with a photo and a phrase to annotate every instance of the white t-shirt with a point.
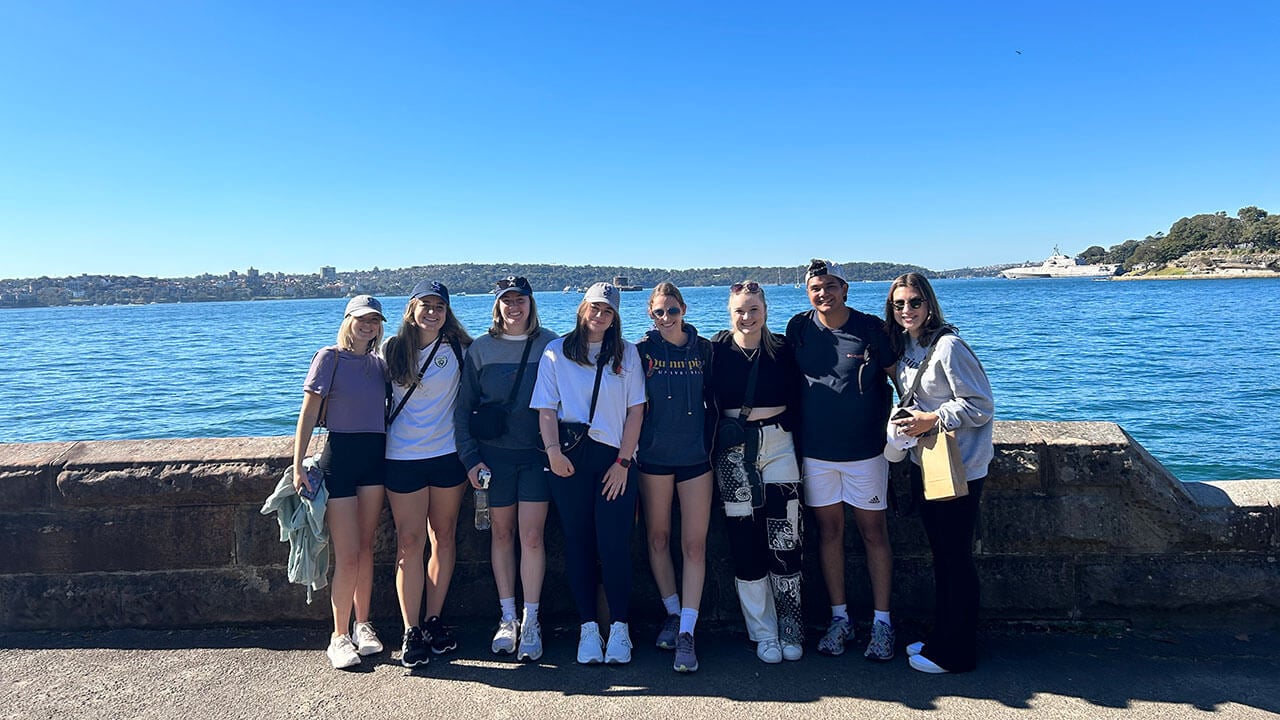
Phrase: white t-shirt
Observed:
(565, 386)
(424, 428)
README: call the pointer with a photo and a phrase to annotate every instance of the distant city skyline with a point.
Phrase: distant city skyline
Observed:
(173, 140)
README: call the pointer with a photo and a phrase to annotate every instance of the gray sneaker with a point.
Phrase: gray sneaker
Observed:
(881, 646)
(837, 636)
(686, 659)
(504, 641)
(667, 635)
(530, 641)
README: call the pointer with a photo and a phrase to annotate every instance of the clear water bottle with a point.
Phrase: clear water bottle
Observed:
(482, 501)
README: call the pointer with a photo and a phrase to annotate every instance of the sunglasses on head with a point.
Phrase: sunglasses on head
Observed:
(513, 281)
(660, 313)
(750, 287)
(915, 303)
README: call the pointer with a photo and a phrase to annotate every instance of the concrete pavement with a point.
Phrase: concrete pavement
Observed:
(282, 672)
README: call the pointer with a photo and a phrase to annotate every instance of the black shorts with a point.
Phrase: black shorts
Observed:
(682, 472)
(518, 476)
(406, 476)
(352, 460)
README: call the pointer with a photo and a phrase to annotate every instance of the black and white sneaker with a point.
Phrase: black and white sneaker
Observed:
(438, 636)
(413, 651)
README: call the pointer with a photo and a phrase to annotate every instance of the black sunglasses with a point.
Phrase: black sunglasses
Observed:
(751, 287)
(915, 303)
(673, 312)
(513, 281)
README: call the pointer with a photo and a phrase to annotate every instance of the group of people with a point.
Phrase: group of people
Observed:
(772, 422)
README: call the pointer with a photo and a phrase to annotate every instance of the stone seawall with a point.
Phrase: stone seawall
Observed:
(1078, 522)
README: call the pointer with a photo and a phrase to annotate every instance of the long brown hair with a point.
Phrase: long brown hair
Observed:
(402, 349)
(577, 347)
(932, 323)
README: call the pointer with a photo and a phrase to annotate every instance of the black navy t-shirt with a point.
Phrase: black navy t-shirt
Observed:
(845, 395)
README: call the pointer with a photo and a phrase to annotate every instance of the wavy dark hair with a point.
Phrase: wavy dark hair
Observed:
(933, 322)
(401, 351)
(577, 347)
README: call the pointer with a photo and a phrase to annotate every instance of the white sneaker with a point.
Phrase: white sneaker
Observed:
(504, 641)
(590, 646)
(792, 652)
(915, 648)
(342, 652)
(530, 641)
(925, 665)
(366, 640)
(619, 651)
(769, 651)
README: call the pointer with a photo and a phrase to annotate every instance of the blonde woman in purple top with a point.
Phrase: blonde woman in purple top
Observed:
(348, 381)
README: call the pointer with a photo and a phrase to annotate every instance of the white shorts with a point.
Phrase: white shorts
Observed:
(863, 484)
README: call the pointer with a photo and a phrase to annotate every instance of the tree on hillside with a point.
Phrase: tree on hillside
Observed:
(1092, 255)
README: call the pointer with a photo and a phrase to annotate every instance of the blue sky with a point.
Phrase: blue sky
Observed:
(171, 139)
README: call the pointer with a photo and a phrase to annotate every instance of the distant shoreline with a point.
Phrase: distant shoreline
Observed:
(1202, 276)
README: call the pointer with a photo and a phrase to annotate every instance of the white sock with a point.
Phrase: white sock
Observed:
(883, 616)
(530, 613)
(688, 619)
(508, 608)
(672, 603)
(840, 611)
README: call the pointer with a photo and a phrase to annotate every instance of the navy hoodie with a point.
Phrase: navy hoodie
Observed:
(677, 423)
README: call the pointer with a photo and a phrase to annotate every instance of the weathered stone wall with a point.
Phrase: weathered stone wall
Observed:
(1078, 523)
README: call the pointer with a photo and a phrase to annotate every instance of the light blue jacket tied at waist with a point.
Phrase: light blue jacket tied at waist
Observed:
(302, 526)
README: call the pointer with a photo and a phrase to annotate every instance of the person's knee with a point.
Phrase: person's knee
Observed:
(693, 549)
(531, 539)
(503, 532)
(411, 540)
(659, 540)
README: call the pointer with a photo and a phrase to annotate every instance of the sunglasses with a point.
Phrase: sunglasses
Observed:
(660, 313)
(750, 287)
(512, 281)
(915, 304)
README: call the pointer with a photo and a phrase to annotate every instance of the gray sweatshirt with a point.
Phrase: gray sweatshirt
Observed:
(956, 388)
(487, 376)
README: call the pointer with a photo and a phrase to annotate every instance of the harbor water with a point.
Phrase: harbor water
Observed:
(1188, 368)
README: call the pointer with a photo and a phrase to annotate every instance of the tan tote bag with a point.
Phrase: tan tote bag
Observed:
(942, 467)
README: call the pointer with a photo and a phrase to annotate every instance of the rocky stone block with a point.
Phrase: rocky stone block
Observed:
(121, 539)
(1099, 522)
(1185, 584)
(154, 599)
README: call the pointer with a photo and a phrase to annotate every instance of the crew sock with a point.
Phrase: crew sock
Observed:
(672, 603)
(508, 608)
(840, 611)
(883, 616)
(688, 619)
(530, 613)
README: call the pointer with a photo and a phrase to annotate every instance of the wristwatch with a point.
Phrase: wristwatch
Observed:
(624, 462)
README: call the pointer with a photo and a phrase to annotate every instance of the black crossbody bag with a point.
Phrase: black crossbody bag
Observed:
(489, 420)
(572, 433)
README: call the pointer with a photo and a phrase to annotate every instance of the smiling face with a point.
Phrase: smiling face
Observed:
(910, 309)
(668, 313)
(428, 314)
(366, 330)
(513, 308)
(747, 313)
(826, 293)
(596, 318)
